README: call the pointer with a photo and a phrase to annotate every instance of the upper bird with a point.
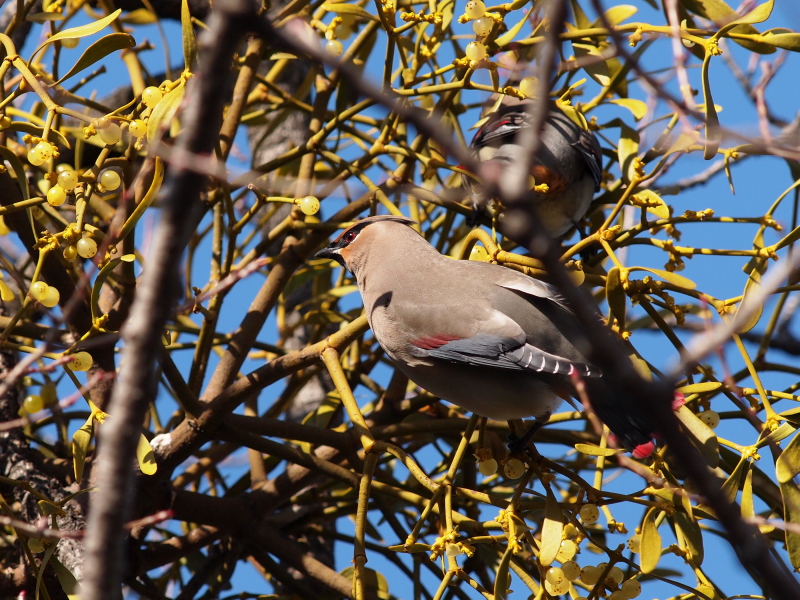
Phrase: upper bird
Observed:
(568, 160)
(482, 336)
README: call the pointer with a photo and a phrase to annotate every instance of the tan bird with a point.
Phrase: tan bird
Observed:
(485, 337)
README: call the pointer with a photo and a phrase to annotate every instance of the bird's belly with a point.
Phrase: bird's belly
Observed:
(495, 393)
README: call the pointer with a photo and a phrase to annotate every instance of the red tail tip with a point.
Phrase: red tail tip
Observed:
(678, 400)
(644, 450)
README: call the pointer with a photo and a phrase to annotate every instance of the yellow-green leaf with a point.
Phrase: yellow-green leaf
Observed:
(189, 40)
(81, 31)
(684, 141)
(99, 50)
(80, 446)
(788, 463)
(107, 269)
(748, 508)
(791, 506)
(700, 388)
(776, 436)
(140, 16)
(590, 450)
(658, 207)
(637, 107)
(44, 17)
(350, 9)
(627, 150)
(787, 41)
(502, 578)
(6, 293)
(758, 15)
(704, 437)
(69, 584)
(509, 35)
(165, 110)
(742, 321)
(615, 295)
(617, 14)
(372, 579)
(146, 456)
(152, 192)
(673, 278)
(552, 528)
(594, 65)
(712, 120)
(690, 537)
(731, 486)
(651, 541)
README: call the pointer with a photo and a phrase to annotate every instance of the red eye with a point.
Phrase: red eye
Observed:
(350, 236)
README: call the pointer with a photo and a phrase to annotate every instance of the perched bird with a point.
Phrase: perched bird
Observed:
(568, 160)
(487, 338)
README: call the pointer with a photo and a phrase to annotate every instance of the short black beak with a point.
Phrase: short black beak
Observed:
(328, 252)
(331, 251)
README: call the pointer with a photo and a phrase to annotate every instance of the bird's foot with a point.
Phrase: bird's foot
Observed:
(517, 444)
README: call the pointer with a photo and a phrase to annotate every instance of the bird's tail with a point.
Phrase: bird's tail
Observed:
(625, 415)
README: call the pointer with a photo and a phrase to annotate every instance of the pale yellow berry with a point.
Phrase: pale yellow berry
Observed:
(616, 575)
(51, 298)
(475, 51)
(557, 589)
(487, 467)
(570, 531)
(709, 417)
(566, 551)
(151, 96)
(110, 179)
(483, 26)
(35, 545)
(452, 550)
(555, 575)
(70, 253)
(334, 48)
(589, 514)
(110, 134)
(590, 575)
(38, 290)
(81, 361)
(33, 403)
(475, 9)
(35, 158)
(68, 179)
(572, 570)
(309, 205)
(137, 128)
(45, 149)
(528, 86)
(618, 595)
(63, 167)
(514, 468)
(631, 589)
(342, 31)
(635, 543)
(86, 247)
(70, 42)
(56, 196)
